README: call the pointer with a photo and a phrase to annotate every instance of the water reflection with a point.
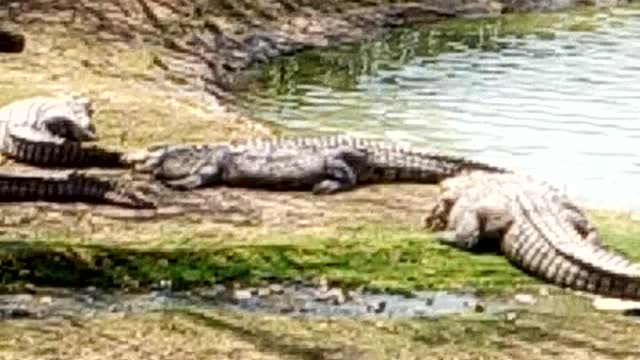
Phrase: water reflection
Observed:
(552, 95)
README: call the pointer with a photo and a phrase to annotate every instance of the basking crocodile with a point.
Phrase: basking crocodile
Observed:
(343, 160)
(526, 220)
(70, 187)
(49, 131)
(324, 171)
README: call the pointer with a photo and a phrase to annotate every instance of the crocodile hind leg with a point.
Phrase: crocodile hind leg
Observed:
(578, 219)
(341, 167)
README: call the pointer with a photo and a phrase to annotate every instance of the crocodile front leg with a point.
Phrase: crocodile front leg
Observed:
(468, 223)
(70, 130)
(342, 168)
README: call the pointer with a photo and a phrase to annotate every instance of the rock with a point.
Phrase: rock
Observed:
(544, 291)
(430, 301)
(213, 292)
(335, 296)
(511, 316)
(525, 299)
(479, 307)
(377, 306)
(613, 304)
(46, 300)
(263, 291)
(241, 294)
(276, 288)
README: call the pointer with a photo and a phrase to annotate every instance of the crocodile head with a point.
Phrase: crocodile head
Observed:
(71, 119)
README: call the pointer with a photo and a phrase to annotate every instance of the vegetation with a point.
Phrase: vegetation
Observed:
(253, 237)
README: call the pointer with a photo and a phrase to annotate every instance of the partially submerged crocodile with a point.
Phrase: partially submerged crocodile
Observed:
(50, 130)
(70, 187)
(528, 222)
(290, 162)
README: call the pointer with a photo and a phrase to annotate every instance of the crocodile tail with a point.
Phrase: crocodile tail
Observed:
(72, 187)
(412, 165)
(553, 250)
(543, 260)
(67, 154)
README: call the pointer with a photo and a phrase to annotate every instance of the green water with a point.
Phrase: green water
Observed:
(553, 95)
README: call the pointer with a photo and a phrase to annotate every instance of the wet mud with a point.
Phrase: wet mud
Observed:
(292, 299)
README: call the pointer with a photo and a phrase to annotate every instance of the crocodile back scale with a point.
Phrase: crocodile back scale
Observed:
(70, 187)
(532, 229)
(385, 161)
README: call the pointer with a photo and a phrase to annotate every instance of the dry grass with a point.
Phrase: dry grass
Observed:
(138, 107)
(135, 106)
(568, 331)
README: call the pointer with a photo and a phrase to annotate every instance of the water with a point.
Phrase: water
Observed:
(295, 301)
(556, 96)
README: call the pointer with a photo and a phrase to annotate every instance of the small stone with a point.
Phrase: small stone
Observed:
(613, 304)
(335, 296)
(479, 308)
(263, 291)
(23, 272)
(511, 316)
(377, 306)
(46, 300)
(276, 288)
(163, 262)
(241, 294)
(430, 300)
(543, 291)
(525, 299)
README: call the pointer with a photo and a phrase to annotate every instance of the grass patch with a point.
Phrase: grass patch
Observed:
(384, 257)
(387, 257)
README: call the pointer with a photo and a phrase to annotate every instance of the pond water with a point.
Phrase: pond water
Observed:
(554, 95)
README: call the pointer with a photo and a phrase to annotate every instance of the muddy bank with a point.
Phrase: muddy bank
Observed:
(204, 47)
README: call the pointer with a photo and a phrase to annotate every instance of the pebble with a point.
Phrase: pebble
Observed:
(241, 294)
(335, 296)
(263, 291)
(46, 300)
(276, 288)
(377, 306)
(544, 291)
(430, 301)
(525, 299)
(511, 316)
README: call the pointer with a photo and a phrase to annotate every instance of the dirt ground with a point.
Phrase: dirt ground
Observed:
(123, 55)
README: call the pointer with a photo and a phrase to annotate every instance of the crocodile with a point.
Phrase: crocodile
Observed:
(262, 160)
(50, 131)
(324, 171)
(71, 186)
(524, 219)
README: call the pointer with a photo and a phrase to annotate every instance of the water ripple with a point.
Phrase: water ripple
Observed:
(563, 106)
